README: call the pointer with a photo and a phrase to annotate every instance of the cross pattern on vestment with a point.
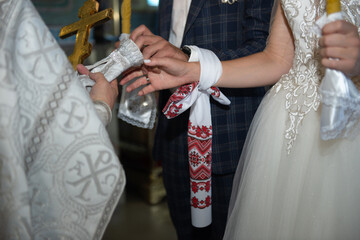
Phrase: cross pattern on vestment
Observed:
(89, 17)
(97, 170)
(42, 51)
(71, 115)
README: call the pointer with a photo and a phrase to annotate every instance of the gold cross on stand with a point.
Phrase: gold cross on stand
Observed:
(89, 17)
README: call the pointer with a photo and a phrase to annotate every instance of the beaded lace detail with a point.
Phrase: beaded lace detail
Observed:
(302, 82)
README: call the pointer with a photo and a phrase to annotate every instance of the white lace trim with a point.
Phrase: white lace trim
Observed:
(350, 122)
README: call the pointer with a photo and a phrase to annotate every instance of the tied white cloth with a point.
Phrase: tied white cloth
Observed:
(59, 175)
(196, 97)
(340, 113)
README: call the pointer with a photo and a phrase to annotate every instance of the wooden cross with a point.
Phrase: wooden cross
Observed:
(89, 17)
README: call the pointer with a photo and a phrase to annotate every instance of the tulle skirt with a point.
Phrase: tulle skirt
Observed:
(313, 192)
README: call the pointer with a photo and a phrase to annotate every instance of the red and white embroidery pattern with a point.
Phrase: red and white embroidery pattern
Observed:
(199, 147)
(199, 144)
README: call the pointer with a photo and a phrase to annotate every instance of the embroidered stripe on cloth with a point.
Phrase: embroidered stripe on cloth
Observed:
(196, 97)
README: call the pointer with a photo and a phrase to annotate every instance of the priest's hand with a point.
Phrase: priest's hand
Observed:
(102, 89)
(169, 73)
(340, 47)
(117, 44)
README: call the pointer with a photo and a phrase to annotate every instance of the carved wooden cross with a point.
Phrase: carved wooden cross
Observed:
(89, 17)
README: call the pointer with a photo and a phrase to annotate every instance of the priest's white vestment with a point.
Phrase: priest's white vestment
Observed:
(59, 175)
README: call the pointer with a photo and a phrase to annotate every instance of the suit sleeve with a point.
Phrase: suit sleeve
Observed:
(255, 26)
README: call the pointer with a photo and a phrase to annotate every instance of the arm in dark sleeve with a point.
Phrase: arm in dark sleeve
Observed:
(256, 26)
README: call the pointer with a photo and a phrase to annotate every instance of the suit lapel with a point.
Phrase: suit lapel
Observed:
(165, 10)
(195, 8)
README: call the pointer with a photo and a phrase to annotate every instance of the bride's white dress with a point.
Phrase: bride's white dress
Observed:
(295, 185)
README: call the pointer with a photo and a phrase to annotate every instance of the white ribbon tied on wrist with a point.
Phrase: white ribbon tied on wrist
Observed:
(340, 112)
(196, 97)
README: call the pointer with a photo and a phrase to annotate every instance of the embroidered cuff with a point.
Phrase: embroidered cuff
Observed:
(104, 111)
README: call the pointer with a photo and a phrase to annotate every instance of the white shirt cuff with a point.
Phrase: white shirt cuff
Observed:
(104, 111)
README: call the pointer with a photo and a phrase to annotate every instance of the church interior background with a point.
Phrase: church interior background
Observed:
(142, 210)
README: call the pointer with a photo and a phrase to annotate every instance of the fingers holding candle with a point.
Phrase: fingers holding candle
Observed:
(159, 47)
(82, 70)
(102, 90)
(162, 52)
(340, 43)
(340, 47)
(117, 44)
(155, 46)
(140, 31)
(137, 36)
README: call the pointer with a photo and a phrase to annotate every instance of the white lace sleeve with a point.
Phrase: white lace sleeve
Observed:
(340, 98)
(104, 111)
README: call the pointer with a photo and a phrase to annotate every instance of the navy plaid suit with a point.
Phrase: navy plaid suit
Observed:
(230, 31)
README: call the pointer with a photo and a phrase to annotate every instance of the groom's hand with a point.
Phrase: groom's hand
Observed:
(155, 46)
(151, 46)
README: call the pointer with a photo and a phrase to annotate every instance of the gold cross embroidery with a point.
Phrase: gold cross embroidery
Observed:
(89, 17)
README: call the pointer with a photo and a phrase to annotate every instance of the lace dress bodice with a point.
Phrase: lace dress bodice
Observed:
(302, 82)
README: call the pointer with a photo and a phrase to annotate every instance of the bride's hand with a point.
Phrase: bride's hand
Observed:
(165, 73)
(340, 47)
